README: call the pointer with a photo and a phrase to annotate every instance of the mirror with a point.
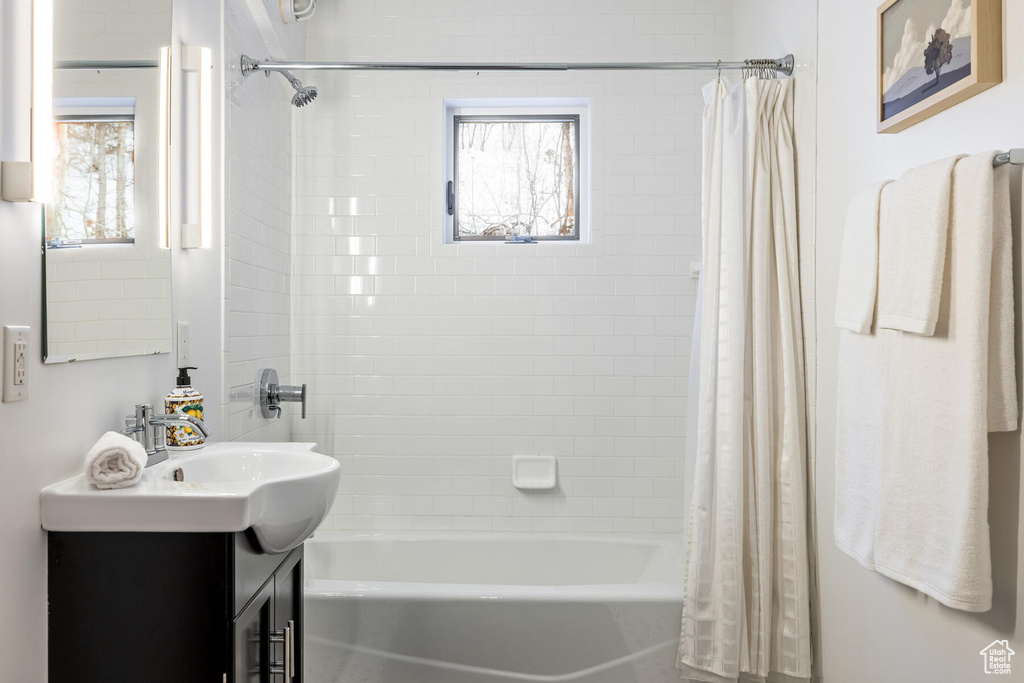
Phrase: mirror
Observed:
(107, 275)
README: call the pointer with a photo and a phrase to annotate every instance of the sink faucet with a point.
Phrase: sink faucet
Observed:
(147, 429)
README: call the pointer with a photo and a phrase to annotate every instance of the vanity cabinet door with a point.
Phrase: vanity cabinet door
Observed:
(288, 615)
(251, 635)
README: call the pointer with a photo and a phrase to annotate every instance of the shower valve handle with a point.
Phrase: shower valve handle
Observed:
(272, 395)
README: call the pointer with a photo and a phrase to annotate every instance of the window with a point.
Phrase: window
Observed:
(516, 172)
(93, 180)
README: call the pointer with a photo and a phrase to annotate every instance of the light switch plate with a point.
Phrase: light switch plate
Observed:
(15, 362)
(184, 345)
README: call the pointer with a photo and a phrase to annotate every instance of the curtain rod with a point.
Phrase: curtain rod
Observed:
(782, 66)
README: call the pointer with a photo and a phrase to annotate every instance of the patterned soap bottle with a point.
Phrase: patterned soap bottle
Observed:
(184, 400)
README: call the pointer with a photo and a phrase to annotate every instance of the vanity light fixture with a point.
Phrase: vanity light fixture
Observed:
(200, 59)
(32, 181)
(163, 153)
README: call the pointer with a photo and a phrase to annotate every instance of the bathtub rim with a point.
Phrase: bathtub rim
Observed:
(614, 592)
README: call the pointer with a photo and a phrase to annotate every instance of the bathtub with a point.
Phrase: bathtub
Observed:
(491, 608)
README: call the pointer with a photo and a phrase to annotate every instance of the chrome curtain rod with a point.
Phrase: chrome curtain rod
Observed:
(782, 66)
(1014, 156)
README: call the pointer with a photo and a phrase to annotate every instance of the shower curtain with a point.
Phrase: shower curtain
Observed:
(746, 614)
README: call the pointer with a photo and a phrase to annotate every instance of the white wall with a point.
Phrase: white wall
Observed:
(45, 438)
(110, 29)
(198, 282)
(874, 629)
(430, 365)
(259, 224)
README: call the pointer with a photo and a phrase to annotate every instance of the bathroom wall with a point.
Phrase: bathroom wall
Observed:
(874, 629)
(110, 29)
(430, 365)
(45, 438)
(258, 145)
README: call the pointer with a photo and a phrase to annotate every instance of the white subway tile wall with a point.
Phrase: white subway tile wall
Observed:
(111, 29)
(430, 365)
(259, 224)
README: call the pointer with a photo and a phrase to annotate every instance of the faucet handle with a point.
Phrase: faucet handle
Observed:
(272, 395)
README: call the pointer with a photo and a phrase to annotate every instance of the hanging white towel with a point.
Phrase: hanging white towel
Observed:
(912, 458)
(858, 262)
(1002, 367)
(912, 249)
(859, 413)
(115, 462)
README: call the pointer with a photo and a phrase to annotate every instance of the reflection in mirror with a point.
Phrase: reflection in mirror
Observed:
(107, 283)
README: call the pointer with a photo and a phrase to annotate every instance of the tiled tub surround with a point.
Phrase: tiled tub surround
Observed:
(259, 187)
(430, 365)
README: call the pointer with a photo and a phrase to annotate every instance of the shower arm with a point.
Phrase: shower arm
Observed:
(296, 83)
(783, 66)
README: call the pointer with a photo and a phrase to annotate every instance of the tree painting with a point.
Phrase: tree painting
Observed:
(93, 181)
(517, 177)
(938, 54)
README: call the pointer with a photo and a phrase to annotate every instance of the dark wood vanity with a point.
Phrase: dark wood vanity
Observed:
(172, 608)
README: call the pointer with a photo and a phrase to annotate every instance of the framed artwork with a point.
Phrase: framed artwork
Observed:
(933, 54)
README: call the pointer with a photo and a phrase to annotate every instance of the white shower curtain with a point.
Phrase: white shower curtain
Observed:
(746, 615)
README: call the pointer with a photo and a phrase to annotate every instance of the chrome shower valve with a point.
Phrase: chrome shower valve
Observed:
(272, 395)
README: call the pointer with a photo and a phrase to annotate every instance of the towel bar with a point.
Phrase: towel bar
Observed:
(1014, 156)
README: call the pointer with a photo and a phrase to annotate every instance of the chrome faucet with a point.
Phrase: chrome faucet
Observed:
(148, 429)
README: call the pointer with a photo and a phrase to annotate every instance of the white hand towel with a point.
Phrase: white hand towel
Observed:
(858, 263)
(859, 416)
(115, 462)
(912, 252)
(932, 518)
(1002, 362)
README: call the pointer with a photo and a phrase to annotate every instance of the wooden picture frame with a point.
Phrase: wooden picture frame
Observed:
(904, 79)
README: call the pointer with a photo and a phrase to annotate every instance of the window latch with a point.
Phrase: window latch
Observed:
(520, 239)
(451, 198)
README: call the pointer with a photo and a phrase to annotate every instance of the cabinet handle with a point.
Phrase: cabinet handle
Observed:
(291, 646)
(287, 667)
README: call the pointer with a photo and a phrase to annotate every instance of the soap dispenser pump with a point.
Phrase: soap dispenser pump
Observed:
(184, 400)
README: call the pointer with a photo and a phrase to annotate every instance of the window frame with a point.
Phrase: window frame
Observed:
(515, 118)
(505, 108)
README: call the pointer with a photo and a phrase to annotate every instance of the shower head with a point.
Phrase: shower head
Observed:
(303, 94)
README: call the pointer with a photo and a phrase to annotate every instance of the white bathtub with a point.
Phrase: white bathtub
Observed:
(491, 608)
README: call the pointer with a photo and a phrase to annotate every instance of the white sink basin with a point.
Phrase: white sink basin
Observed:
(280, 490)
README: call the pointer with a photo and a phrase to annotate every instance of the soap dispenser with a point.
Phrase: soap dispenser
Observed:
(184, 400)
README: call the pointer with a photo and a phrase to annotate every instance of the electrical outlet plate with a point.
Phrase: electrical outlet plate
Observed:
(15, 360)
(184, 345)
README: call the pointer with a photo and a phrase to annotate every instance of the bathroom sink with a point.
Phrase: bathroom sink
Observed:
(282, 491)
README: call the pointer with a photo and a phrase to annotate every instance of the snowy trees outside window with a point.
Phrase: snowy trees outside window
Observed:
(516, 175)
(93, 182)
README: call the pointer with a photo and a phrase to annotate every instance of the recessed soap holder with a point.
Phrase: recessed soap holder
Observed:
(534, 472)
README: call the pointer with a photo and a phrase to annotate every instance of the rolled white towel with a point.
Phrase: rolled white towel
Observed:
(115, 462)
